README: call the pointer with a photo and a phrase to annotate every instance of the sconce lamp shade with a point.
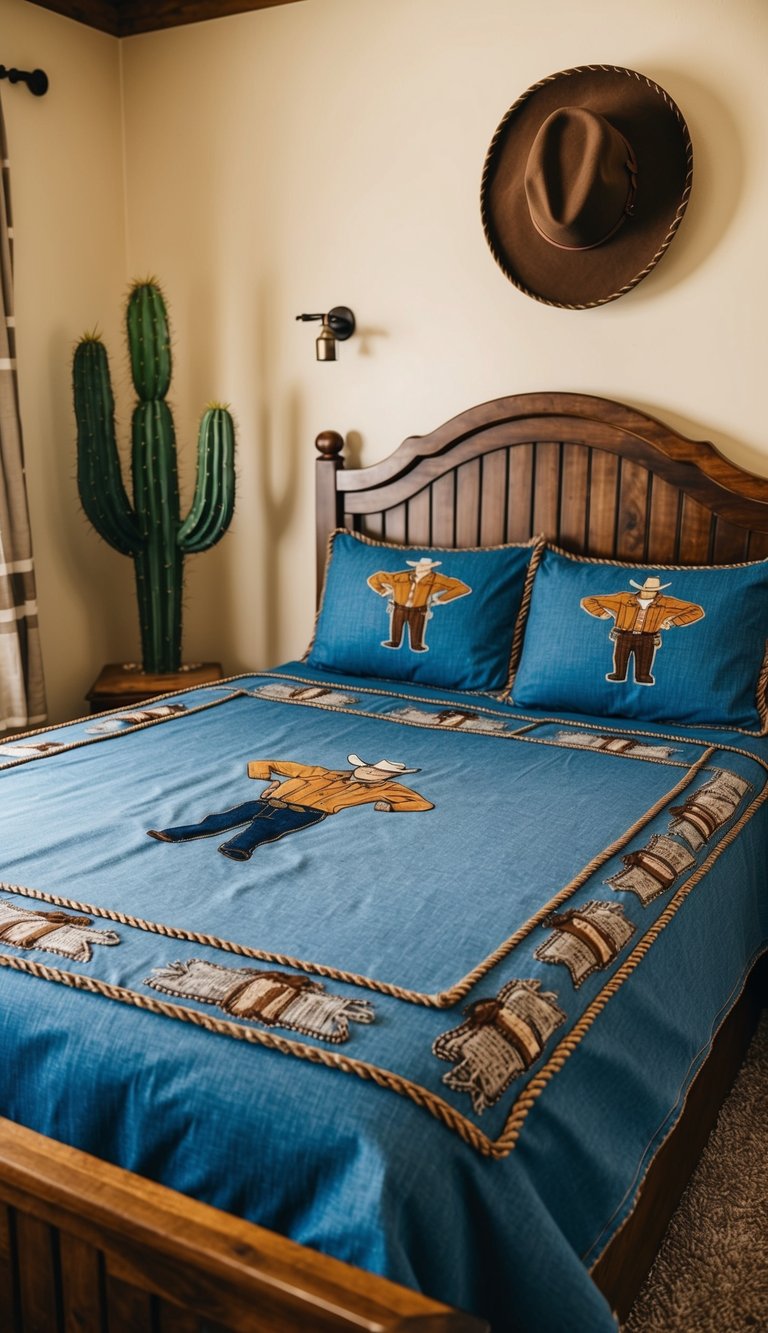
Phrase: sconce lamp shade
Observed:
(325, 344)
(337, 325)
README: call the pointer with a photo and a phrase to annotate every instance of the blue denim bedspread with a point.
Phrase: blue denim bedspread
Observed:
(430, 1006)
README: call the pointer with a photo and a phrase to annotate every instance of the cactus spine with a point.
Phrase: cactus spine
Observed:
(150, 530)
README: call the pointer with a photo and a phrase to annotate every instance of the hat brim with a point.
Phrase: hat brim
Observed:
(357, 762)
(653, 125)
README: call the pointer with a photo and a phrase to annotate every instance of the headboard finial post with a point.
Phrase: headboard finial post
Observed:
(330, 445)
(329, 506)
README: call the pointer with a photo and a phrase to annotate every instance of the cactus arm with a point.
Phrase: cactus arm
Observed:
(100, 483)
(152, 531)
(149, 340)
(214, 499)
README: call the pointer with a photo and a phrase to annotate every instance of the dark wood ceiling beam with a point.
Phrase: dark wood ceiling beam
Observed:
(101, 14)
(124, 18)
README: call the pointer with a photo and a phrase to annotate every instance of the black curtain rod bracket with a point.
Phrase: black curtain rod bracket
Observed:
(36, 79)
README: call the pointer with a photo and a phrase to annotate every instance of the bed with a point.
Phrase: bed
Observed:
(351, 1078)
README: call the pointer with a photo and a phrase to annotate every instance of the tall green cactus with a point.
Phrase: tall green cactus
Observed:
(150, 531)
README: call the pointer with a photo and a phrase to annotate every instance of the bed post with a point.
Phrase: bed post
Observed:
(328, 508)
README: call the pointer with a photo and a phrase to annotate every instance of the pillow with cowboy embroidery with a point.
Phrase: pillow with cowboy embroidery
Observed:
(416, 613)
(659, 643)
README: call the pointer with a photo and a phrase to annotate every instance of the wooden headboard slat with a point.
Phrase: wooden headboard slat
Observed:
(731, 543)
(601, 517)
(596, 476)
(520, 468)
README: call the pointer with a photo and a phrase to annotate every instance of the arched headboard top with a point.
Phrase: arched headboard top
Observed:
(599, 477)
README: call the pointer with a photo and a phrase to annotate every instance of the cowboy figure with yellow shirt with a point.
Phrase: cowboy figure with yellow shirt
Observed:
(639, 619)
(308, 795)
(411, 593)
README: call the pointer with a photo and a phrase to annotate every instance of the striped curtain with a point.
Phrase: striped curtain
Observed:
(22, 691)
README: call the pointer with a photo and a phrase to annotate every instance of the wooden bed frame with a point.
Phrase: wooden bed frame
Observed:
(88, 1247)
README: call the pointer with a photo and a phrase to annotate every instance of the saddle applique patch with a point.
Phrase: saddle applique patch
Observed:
(615, 744)
(55, 932)
(501, 1037)
(704, 811)
(450, 719)
(652, 869)
(277, 999)
(586, 938)
(135, 717)
(28, 749)
(304, 694)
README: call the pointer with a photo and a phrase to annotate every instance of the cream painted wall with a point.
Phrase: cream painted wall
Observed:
(67, 189)
(329, 152)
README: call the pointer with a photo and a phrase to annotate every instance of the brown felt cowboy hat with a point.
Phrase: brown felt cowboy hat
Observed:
(585, 184)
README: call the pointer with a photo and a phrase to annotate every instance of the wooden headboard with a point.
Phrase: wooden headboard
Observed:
(595, 476)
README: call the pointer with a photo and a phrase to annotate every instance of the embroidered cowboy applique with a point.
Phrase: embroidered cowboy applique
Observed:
(411, 594)
(450, 719)
(137, 716)
(652, 869)
(55, 932)
(704, 811)
(277, 999)
(308, 795)
(640, 617)
(501, 1037)
(586, 938)
(585, 740)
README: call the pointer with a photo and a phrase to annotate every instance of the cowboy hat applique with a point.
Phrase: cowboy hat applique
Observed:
(585, 184)
(411, 596)
(276, 999)
(640, 618)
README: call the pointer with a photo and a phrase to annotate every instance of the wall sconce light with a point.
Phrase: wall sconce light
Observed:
(336, 326)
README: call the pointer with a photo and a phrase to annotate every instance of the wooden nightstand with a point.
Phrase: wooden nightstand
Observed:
(121, 684)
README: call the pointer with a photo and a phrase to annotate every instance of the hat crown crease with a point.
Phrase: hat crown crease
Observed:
(579, 179)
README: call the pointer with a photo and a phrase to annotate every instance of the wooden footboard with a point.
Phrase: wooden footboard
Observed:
(87, 1247)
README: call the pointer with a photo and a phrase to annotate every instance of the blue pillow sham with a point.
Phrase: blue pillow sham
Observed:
(437, 616)
(657, 643)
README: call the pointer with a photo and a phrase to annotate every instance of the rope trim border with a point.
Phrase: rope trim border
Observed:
(444, 999)
(618, 724)
(569, 1044)
(431, 1102)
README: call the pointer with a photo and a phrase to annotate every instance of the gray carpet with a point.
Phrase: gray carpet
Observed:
(711, 1274)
